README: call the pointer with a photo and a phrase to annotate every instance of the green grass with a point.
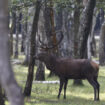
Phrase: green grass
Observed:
(46, 94)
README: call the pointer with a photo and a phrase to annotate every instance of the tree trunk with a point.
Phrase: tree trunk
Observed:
(17, 37)
(84, 29)
(89, 47)
(48, 28)
(26, 30)
(22, 42)
(12, 31)
(27, 39)
(91, 41)
(22, 32)
(102, 46)
(28, 86)
(13, 92)
(76, 29)
(1, 97)
(85, 2)
(66, 43)
(58, 25)
(11, 40)
(20, 22)
(85, 26)
(40, 73)
(54, 39)
(14, 21)
(47, 23)
(27, 50)
(76, 24)
(16, 46)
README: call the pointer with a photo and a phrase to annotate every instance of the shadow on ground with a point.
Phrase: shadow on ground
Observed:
(69, 101)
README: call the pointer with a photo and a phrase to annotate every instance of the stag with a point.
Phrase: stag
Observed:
(67, 68)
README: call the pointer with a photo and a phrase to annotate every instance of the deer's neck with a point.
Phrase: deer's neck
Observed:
(51, 63)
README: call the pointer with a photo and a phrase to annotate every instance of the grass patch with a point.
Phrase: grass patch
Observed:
(46, 94)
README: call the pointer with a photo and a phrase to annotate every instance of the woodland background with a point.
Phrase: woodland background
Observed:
(75, 27)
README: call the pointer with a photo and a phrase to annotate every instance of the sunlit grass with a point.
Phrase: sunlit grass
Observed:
(46, 94)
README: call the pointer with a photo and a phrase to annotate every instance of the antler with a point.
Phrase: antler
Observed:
(45, 46)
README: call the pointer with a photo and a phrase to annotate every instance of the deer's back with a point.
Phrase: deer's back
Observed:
(74, 68)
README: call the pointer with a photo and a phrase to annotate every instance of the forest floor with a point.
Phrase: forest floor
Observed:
(46, 93)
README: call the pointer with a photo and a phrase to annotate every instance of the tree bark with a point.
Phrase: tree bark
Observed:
(85, 26)
(40, 73)
(12, 31)
(76, 24)
(102, 46)
(7, 80)
(17, 36)
(28, 86)
(47, 23)
(23, 40)
(20, 22)
(85, 2)
(27, 38)
(66, 43)
(2, 101)
(14, 21)
(91, 47)
(58, 24)
(26, 30)
(76, 28)
(11, 40)
(23, 33)
(49, 28)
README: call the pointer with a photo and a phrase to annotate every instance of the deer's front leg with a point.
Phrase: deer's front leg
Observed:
(60, 88)
(65, 86)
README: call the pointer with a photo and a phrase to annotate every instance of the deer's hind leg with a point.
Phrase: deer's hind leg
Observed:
(94, 85)
(98, 88)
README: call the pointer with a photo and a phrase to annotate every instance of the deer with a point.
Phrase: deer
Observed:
(69, 68)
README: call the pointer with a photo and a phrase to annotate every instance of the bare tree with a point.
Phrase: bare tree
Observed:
(28, 86)
(7, 80)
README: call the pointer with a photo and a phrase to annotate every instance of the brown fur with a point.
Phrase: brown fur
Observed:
(95, 66)
(67, 68)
